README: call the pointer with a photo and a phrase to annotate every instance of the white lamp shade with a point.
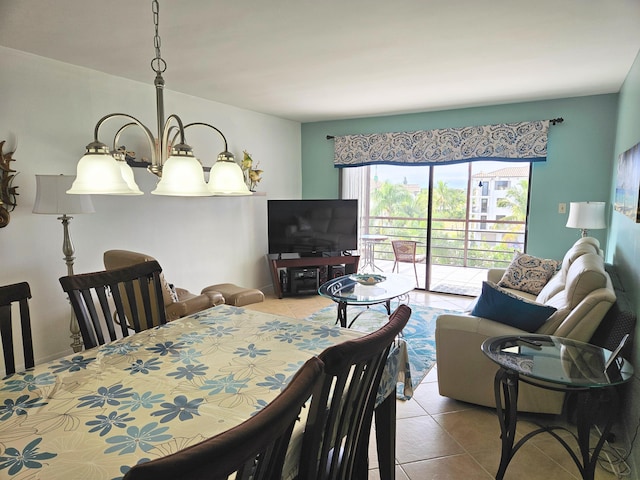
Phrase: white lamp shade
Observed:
(183, 176)
(225, 178)
(586, 215)
(51, 196)
(100, 174)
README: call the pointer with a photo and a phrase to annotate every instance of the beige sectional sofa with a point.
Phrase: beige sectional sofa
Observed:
(582, 293)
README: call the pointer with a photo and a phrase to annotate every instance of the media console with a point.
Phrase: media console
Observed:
(303, 276)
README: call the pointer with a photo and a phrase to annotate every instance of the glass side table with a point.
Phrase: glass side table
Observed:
(347, 291)
(567, 366)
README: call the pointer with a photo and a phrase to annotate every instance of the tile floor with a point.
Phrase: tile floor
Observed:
(440, 438)
(444, 278)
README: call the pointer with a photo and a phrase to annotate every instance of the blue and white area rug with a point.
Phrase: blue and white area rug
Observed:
(419, 332)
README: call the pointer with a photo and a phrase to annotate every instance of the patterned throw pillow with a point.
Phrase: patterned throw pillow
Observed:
(528, 273)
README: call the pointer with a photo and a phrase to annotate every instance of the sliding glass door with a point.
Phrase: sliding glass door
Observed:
(462, 219)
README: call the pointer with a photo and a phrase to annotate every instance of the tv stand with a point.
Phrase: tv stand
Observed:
(276, 263)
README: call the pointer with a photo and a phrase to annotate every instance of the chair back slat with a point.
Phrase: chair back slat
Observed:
(19, 293)
(7, 338)
(336, 436)
(25, 323)
(103, 292)
(255, 449)
(79, 305)
(129, 296)
(107, 288)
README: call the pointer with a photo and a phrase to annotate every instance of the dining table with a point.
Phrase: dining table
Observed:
(96, 413)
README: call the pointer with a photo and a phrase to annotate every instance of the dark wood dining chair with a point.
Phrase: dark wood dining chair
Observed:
(255, 449)
(136, 285)
(404, 251)
(336, 437)
(9, 294)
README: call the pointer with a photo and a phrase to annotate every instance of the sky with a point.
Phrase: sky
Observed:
(455, 176)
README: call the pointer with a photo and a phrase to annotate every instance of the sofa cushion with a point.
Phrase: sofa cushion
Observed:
(552, 323)
(589, 240)
(528, 273)
(585, 275)
(553, 286)
(498, 305)
(575, 252)
(557, 283)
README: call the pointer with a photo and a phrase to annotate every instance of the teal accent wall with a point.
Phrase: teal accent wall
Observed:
(624, 243)
(581, 165)
(578, 166)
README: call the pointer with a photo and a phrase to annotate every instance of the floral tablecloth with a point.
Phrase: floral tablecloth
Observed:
(93, 414)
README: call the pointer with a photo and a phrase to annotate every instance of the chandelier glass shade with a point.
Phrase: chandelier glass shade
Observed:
(103, 171)
(98, 172)
(226, 177)
(181, 170)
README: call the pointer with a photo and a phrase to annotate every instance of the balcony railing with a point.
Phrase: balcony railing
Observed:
(454, 242)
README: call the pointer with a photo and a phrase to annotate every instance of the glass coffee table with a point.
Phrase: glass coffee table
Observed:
(565, 365)
(348, 290)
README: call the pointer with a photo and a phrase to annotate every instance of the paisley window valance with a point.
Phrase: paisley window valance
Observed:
(523, 141)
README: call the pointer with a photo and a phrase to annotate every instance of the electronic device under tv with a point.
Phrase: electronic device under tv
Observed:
(312, 227)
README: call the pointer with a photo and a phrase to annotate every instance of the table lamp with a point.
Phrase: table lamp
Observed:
(585, 215)
(52, 199)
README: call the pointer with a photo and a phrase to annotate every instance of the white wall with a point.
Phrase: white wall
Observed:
(50, 109)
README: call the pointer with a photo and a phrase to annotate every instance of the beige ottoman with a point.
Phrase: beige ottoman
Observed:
(235, 295)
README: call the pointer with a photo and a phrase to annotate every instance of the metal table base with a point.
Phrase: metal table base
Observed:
(588, 401)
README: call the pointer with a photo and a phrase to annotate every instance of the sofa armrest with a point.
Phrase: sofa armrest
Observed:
(466, 374)
(494, 275)
(187, 306)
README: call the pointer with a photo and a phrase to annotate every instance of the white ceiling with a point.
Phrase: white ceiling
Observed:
(318, 60)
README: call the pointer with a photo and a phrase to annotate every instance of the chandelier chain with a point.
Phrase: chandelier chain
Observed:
(157, 64)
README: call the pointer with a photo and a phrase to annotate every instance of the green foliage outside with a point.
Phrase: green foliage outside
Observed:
(399, 214)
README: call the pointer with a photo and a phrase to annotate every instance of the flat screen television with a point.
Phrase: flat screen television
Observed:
(312, 227)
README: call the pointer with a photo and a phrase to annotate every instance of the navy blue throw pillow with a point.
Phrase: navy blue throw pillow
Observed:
(496, 304)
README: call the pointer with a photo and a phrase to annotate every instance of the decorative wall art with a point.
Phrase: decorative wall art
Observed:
(7, 191)
(628, 183)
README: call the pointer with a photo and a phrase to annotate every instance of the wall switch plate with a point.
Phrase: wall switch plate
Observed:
(562, 208)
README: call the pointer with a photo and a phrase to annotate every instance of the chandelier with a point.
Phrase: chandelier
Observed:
(105, 171)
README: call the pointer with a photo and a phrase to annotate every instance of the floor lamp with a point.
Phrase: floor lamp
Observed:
(52, 199)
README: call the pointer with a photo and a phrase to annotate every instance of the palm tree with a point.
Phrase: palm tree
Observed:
(448, 202)
(516, 201)
(441, 197)
(389, 200)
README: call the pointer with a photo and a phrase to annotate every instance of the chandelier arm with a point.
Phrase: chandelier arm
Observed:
(165, 134)
(175, 135)
(116, 137)
(137, 122)
(210, 126)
